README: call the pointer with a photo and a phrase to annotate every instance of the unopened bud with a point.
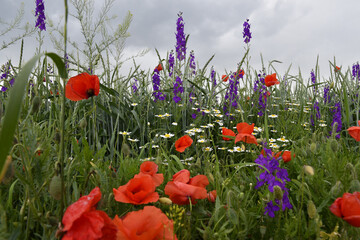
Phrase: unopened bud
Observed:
(55, 187)
(311, 209)
(125, 149)
(262, 230)
(83, 123)
(336, 190)
(210, 177)
(355, 186)
(331, 85)
(334, 145)
(36, 102)
(165, 200)
(278, 192)
(309, 170)
(313, 147)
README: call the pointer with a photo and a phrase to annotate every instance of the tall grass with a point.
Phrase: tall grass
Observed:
(80, 141)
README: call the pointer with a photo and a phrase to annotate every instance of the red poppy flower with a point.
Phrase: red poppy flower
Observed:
(286, 155)
(347, 207)
(149, 223)
(212, 196)
(245, 133)
(139, 190)
(82, 87)
(183, 189)
(182, 143)
(227, 132)
(224, 78)
(337, 69)
(355, 132)
(150, 168)
(271, 80)
(82, 221)
(159, 67)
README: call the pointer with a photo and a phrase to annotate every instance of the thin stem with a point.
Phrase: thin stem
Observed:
(62, 122)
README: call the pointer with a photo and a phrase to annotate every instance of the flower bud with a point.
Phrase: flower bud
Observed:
(165, 200)
(355, 186)
(83, 123)
(36, 102)
(313, 147)
(55, 187)
(125, 149)
(334, 145)
(309, 170)
(336, 190)
(311, 209)
(262, 230)
(278, 192)
(211, 177)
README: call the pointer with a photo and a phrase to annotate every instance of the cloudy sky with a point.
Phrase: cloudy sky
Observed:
(290, 31)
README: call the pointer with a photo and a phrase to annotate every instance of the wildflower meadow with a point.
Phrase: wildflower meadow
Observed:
(179, 151)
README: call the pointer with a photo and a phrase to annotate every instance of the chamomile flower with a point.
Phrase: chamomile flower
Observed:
(222, 148)
(155, 146)
(210, 125)
(219, 115)
(282, 139)
(207, 149)
(174, 123)
(322, 125)
(206, 111)
(273, 116)
(167, 135)
(134, 104)
(133, 140)
(272, 140)
(202, 140)
(124, 133)
(273, 130)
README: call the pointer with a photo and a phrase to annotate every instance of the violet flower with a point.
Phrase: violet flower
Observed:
(178, 88)
(40, 14)
(246, 32)
(180, 38)
(171, 63)
(275, 176)
(192, 64)
(158, 95)
(336, 119)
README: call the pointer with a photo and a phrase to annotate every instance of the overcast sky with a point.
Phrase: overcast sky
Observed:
(291, 31)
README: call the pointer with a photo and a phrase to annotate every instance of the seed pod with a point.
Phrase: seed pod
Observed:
(355, 186)
(55, 187)
(311, 209)
(36, 102)
(262, 230)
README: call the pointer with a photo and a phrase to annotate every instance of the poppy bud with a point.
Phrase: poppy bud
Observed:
(331, 85)
(309, 170)
(125, 149)
(259, 140)
(57, 136)
(83, 123)
(262, 231)
(355, 186)
(336, 190)
(311, 209)
(55, 187)
(211, 177)
(165, 200)
(53, 221)
(278, 192)
(313, 147)
(36, 102)
(334, 145)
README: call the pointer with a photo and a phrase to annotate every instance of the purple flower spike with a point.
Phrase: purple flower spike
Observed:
(40, 14)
